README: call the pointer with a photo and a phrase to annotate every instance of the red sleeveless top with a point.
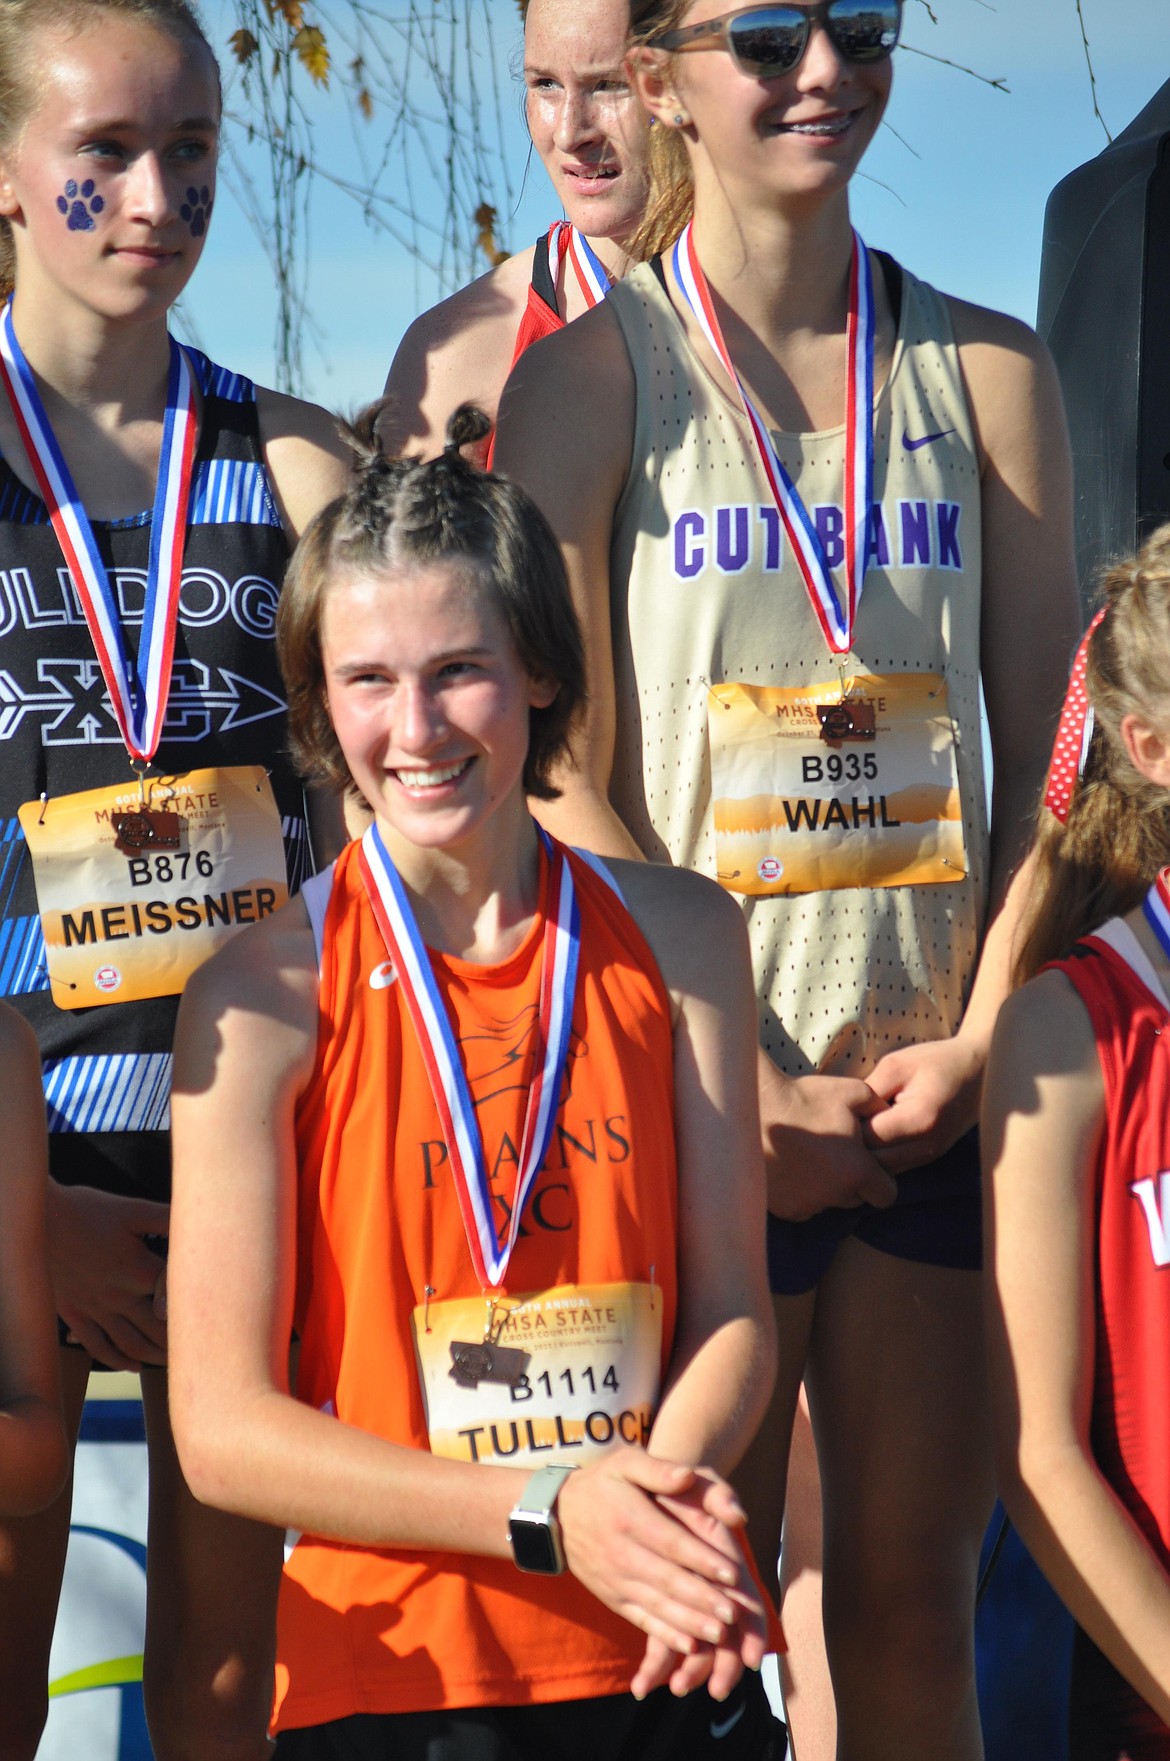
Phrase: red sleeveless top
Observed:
(1130, 1427)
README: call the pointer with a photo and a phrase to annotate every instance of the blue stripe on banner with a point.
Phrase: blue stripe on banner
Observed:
(22, 957)
(112, 1421)
(20, 507)
(128, 1091)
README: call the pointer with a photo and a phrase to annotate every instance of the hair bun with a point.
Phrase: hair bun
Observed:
(466, 425)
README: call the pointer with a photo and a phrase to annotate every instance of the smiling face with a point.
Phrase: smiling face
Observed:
(428, 698)
(798, 136)
(586, 124)
(110, 181)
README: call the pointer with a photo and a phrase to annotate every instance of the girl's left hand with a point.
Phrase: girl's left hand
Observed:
(932, 1092)
(710, 1509)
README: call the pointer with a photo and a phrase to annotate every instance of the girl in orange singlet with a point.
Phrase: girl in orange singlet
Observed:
(473, 1117)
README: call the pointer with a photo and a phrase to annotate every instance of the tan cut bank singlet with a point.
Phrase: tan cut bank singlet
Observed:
(711, 619)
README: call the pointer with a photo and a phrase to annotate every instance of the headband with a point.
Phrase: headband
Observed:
(1071, 746)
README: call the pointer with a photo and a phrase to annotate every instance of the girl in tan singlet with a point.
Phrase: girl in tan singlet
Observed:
(729, 734)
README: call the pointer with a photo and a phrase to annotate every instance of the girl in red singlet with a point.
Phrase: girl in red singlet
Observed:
(1076, 1145)
(473, 1116)
(592, 137)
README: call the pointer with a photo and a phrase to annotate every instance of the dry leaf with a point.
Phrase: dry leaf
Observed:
(312, 51)
(244, 46)
(365, 104)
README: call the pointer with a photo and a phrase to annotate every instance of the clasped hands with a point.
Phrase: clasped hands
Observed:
(659, 1544)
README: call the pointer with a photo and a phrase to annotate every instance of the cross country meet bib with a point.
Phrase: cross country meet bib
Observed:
(563, 1375)
(138, 885)
(835, 784)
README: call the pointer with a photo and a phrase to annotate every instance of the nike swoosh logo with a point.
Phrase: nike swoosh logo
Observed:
(382, 977)
(721, 1728)
(927, 439)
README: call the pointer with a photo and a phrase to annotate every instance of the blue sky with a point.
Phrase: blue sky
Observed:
(959, 197)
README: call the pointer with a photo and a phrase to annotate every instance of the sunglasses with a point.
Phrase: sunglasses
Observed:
(768, 40)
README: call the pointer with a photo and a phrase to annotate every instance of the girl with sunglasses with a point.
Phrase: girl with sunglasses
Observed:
(824, 504)
(1076, 1149)
(148, 502)
(592, 137)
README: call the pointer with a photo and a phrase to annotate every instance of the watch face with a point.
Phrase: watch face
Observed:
(534, 1545)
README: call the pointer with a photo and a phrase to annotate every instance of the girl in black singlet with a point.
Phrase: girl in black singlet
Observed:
(109, 120)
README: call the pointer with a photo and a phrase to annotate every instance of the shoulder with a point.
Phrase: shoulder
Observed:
(458, 351)
(1010, 376)
(695, 930)
(589, 356)
(307, 460)
(256, 999)
(1044, 1036)
(584, 368)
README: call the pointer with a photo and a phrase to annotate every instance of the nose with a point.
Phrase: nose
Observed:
(421, 723)
(576, 121)
(150, 197)
(821, 64)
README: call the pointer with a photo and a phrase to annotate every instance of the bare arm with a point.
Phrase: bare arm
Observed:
(243, 1054)
(1030, 622)
(33, 1454)
(1042, 1119)
(567, 421)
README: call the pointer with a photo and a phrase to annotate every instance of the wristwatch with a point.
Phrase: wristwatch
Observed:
(534, 1530)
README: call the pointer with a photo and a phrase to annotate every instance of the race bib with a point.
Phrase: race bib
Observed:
(134, 893)
(820, 786)
(568, 1373)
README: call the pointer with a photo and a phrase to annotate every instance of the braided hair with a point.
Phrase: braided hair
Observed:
(400, 515)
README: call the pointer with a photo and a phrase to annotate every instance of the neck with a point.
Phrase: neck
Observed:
(612, 252)
(475, 900)
(113, 373)
(782, 271)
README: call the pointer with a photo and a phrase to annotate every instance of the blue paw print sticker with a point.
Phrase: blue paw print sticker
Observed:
(79, 205)
(196, 210)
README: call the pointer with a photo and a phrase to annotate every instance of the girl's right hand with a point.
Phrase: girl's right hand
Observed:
(105, 1278)
(654, 1541)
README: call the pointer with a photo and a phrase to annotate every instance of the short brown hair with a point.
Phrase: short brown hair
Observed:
(404, 514)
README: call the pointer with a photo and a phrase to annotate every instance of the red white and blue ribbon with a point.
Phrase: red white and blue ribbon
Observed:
(1156, 906)
(138, 693)
(836, 614)
(592, 277)
(448, 1079)
(1071, 746)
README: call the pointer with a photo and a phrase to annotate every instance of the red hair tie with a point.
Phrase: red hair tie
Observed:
(1073, 735)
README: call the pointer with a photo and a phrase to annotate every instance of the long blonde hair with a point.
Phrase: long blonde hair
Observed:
(671, 200)
(20, 21)
(1101, 861)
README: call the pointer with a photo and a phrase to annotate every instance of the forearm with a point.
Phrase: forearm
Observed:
(1011, 881)
(273, 1459)
(1099, 1563)
(716, 1394)
(33, 1455)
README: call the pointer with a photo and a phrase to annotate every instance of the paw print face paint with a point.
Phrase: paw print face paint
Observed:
(196, 210)
(79, 205)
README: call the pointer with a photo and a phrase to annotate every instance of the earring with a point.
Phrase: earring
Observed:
(679, 119)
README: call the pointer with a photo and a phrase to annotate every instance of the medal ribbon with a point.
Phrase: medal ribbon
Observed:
(1071, 746)
(139, 701)
(587, 266)
(440, 1051)
(1156, 906)
(835, 616)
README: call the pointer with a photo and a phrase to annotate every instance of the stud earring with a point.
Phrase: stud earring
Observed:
(679, 119)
